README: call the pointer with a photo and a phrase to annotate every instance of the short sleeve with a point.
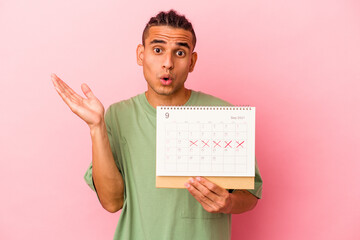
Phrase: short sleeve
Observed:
(257, 191)
(88, 177)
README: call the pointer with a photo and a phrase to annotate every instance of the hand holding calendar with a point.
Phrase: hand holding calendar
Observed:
(213, 198)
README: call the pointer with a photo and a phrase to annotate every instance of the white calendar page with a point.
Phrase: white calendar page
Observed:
(205, 141)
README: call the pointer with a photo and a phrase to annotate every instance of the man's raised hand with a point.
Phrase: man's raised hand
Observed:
(89, 109)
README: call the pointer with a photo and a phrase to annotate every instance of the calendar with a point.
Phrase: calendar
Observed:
(205, 141)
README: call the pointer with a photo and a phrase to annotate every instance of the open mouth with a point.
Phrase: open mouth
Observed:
(165, 81)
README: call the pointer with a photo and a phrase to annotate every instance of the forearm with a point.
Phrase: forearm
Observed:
(242, 201)
(107, 178)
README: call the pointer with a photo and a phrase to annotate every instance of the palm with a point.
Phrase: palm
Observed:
(89, 109)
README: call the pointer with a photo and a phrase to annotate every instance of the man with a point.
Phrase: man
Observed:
(123, 146)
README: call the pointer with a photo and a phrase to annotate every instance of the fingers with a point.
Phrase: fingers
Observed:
(201, 198)
(62, 86)
(211, 196)
(205, 190)
(69, 92)
(87, 91)
(70, 97)
(211, 186)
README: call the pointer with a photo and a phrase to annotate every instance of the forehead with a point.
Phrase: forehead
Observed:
(169, 34)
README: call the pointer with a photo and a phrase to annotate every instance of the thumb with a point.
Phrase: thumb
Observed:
(87, 91)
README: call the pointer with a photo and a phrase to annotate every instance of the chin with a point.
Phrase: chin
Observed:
(165, 93)
(165, 90)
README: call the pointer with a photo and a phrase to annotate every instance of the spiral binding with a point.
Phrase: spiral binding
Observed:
(243, 107)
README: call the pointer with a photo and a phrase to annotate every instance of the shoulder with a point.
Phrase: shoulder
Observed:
(200, 98)
(124, 106)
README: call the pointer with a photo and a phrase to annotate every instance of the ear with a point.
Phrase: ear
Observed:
(140, 54)
(193, 61)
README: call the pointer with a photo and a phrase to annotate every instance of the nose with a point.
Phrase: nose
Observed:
(168, 62)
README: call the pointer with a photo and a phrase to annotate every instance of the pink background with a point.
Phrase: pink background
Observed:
(298, 62)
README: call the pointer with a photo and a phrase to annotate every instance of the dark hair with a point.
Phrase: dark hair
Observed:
(171, 19)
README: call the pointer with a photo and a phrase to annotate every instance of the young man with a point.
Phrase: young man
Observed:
(123, 146)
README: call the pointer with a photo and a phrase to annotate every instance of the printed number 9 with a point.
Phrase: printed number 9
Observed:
(167, 115)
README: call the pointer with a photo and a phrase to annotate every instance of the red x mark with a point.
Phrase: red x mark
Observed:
(228, 144)
(193, 143)
(206, 143)
(239, 144)
(216, 144)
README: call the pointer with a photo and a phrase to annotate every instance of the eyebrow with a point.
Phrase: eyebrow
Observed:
(183, 44)
(157, 41)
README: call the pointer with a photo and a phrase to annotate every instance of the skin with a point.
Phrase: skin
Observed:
(107, 178)
(167, 58)
(169, 53)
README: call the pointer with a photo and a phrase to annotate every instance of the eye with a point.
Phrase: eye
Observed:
(157, 50)
(180, 53)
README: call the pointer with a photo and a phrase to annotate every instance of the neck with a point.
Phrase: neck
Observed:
(176, 99)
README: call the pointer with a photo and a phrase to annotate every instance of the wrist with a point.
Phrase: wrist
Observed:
(229, 204)
(97, 128)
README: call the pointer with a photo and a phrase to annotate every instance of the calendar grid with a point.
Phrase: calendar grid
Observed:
(198, 148)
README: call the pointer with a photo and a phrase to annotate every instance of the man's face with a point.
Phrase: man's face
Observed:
(167, 58)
